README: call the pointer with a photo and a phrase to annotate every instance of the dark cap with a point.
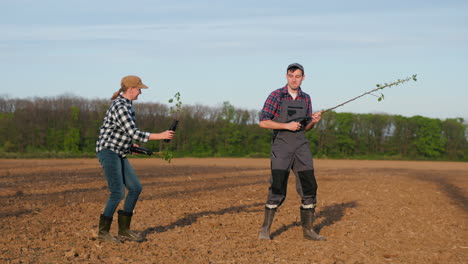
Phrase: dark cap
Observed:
(295, 65)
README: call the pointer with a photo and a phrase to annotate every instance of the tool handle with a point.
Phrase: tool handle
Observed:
(173, 127)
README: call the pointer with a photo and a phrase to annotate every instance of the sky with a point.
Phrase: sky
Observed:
(238, 51)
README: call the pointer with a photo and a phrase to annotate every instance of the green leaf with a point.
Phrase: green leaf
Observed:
(381, 97)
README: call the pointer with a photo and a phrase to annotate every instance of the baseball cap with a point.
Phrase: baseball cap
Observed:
(297, 65)
(132, 81)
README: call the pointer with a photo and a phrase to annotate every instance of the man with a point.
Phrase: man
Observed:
(286, 111)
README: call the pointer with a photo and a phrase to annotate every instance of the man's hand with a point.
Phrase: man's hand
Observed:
(270, 124)
(293, 126)
(316, 117)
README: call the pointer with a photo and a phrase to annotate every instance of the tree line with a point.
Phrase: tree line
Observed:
(69, 126)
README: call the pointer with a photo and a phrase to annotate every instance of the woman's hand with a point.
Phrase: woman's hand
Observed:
(168, 134)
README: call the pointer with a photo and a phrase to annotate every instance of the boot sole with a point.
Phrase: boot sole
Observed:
(264, 238)
(321, 238)
(124, 238)
(109, 240)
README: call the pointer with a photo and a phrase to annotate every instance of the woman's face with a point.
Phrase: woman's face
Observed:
(133, 93)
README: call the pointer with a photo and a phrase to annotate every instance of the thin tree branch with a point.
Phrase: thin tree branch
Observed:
(379, 87)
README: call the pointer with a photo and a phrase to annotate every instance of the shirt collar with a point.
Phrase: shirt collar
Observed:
(285, 90)
(125, 99)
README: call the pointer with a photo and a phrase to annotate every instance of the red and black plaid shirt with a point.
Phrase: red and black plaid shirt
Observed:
(272, 106)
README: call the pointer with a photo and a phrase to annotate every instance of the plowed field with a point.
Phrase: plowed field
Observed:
(210, 211)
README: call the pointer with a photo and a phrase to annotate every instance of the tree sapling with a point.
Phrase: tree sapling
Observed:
(379, 87)
(175, 111)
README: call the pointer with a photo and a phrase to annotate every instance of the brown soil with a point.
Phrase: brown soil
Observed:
(210, 211)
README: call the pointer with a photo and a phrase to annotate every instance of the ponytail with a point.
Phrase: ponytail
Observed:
(123, 88)
(116, 94)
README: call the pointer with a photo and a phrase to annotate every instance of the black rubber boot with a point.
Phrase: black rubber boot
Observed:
(124, 227)
(104, 227)
(307, 216)
(265, 230)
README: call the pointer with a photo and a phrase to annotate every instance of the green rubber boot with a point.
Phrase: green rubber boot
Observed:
(307, 216)
(104, 227)
(124, 227)
(265, 230)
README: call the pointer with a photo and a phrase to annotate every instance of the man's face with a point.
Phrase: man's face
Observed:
(295, 79)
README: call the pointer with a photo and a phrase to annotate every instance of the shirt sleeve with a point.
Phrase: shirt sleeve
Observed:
(309, 106)
(127, 123)
(270, 108)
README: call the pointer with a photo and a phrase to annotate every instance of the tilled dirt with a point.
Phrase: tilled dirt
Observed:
(210, 211)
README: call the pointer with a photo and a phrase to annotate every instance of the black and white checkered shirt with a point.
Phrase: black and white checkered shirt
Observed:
(119, 128)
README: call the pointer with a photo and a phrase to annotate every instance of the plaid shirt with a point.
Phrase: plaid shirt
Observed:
(272, 106)
(119, 128)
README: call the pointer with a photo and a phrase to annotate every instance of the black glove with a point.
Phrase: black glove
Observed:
(139, 150)
(303, 120)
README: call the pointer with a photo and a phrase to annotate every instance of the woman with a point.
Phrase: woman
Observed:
(115, 139)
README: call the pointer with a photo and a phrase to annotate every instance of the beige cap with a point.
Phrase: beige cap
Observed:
(132, 81)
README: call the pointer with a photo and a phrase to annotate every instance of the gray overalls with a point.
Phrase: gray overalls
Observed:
(290, 150)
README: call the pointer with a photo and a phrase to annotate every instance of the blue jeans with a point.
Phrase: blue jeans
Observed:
(119, 174)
